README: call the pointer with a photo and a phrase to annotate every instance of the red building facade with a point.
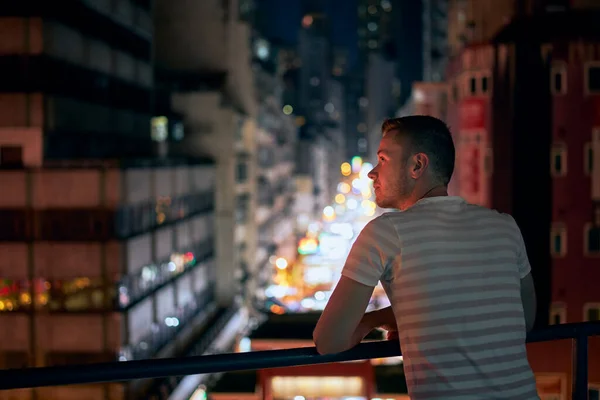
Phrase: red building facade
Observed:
(468, 115)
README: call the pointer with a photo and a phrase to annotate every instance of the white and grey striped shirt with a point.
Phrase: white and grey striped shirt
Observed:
(452, 272)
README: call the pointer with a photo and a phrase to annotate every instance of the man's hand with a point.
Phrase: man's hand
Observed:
(382, 319)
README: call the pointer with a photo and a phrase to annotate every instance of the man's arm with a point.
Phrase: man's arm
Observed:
(342, 325)
(528, 298)
(529, 301)
(338, 328)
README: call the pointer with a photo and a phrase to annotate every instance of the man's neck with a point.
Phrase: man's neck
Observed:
(435, 192)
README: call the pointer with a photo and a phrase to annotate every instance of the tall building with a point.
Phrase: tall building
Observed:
(104, 256)
(435, 43)
(314, 94)
(382, 89)
(375, 26)
(213, 88)
(77, 82)
(277, 135)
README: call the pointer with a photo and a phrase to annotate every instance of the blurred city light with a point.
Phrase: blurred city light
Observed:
(346, 169)
(287, 109)
(328, 212)
(343, 187)
(356, 164)
(281, 263)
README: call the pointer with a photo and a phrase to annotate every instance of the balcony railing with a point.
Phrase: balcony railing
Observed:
(158, 368)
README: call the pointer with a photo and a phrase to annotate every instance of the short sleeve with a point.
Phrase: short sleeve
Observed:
(376, 247)
(522, 259)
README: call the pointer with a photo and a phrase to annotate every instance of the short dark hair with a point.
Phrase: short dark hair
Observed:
(427, 135)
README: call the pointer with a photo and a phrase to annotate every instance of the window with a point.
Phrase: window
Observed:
(241, 172)
(484, 84)
(592, 239)
(588, 158)
(558, 240)
(11, 156)
(473, 86)
(558, 313)
(592, 78)
(591, 312)
(558, 159)
(241, 210)
(14, 224)
(558, 78)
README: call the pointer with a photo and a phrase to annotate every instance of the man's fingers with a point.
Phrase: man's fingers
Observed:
(392, 335)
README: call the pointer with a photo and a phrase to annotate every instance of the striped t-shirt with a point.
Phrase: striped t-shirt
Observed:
(452, 273)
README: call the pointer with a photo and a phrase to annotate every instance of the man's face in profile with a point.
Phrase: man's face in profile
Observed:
(391, 180)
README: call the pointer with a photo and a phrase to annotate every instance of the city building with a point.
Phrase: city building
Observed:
(107, 242)
(213, 88)
(435, 39)
(382, 91)
(468, 114)
(376, 58)
(277, 134)
(375, 26)
(317, 100)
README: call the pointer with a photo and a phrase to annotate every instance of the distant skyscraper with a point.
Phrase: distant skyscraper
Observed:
(374, 26)
(435, 35)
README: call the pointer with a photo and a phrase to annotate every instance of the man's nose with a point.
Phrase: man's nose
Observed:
(372, 174)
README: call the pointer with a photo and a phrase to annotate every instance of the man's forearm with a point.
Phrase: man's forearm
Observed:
(384, 318)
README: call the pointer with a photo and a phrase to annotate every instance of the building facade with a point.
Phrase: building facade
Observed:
(213, 88)
(102, 259)
(103, 263)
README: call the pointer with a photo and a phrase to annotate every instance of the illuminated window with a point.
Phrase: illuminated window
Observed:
(558, 313)
(558, 240)
(159, 128)
(558, 159)
(558, 78)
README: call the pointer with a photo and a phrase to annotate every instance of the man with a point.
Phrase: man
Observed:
(457, 276)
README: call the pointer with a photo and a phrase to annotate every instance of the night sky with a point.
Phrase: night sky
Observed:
(280, 20)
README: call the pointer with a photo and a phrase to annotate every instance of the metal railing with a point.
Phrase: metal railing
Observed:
(157, 368)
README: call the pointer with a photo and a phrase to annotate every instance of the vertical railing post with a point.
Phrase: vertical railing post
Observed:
(580, 367)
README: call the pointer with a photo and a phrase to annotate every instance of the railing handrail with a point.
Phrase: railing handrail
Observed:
(157, 368)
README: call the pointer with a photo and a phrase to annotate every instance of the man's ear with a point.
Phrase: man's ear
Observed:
(419, 165)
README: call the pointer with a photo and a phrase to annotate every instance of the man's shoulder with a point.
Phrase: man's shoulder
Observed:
(382, 222)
